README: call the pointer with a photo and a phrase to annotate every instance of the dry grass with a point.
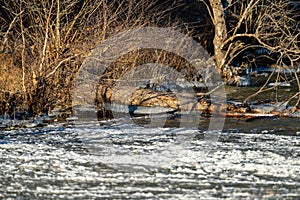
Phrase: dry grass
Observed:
(10, 75)
(128, 61)
(48, 40)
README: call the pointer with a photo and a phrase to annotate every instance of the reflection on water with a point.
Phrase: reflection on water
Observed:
(251, 159)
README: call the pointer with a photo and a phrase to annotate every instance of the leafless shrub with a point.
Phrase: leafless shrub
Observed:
(49, 39)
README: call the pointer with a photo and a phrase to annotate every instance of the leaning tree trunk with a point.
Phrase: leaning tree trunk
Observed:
(220, 32)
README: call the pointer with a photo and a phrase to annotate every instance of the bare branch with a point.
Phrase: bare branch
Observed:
(9, 29)
(45, 40)
(60, 63)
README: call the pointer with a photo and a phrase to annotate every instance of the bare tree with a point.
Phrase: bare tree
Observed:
(243, 28)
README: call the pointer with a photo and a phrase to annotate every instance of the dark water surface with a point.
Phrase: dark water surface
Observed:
(257, 159)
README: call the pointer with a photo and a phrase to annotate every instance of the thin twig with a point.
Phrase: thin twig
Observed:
(23, 60)
(45, 40)
(60, 63)
(209, 92)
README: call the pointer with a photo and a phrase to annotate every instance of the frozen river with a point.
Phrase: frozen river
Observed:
(250, 160)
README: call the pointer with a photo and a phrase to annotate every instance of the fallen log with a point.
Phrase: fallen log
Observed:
(149, 98)
(167, 101)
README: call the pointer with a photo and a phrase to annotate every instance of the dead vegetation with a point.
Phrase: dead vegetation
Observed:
(48, 40)
(44, 42)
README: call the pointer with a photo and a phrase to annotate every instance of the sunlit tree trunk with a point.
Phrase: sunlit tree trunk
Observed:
(220, 32)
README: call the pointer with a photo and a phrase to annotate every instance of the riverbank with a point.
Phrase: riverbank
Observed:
(40, 59)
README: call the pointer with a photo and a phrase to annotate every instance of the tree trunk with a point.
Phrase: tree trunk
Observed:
(220, 32)
(162, 100)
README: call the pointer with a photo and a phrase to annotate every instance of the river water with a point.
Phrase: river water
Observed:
(249, 159)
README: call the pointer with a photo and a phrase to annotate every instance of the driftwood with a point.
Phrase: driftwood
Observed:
(149, 98)
(200, 103)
